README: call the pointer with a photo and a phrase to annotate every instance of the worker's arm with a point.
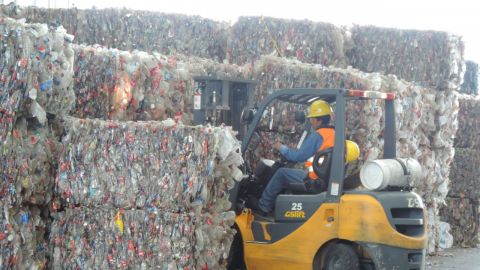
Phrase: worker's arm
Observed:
(311, 144)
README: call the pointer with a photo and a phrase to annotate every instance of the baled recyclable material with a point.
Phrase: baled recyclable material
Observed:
(431, 58)
(135, 30)
(87, 238)
(306, 41)
(36, 69)
(470, 80)
(139, 164)
(468, 122)
(22, 238)
(463, 216)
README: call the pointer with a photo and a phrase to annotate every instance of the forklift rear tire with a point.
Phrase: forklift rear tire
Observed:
(341, 257)
(235, 256)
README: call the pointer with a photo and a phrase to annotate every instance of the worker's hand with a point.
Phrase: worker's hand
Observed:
(277, 145)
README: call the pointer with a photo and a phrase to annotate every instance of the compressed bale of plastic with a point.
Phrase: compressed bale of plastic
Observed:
(27, 165)
(22, 238)
(138, 164)
(113, 84)
(121, 85)
(465, 174)
(132, 29)
(99, 238)
(307, 41)
(463, 216)
(186, 223)
(470, 79)
(432, 58)
(468, 123)
(37, 69)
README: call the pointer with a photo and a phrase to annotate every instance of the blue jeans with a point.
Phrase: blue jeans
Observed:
(280, 180)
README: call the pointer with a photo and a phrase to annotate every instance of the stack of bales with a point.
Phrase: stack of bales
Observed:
(463, 201)
(143, 194)
(431, 62)
(36, 82)
(128, 29)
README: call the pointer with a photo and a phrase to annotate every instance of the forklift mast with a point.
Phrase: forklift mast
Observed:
(221, 100)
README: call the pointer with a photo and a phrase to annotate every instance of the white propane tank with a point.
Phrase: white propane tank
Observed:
(382, 173)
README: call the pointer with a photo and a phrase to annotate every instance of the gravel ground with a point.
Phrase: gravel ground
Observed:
(455, 258)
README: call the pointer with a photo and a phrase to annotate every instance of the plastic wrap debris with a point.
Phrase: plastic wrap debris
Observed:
(446, 239)
(97, 238)
(433, 220)
(307, 41)
(468, 122)
(434, 59)
(463, 216)
(140, 164)
(142, 30)
(27, 165)
(36, 66)
(470, 80)
(465, 174)
(22, 238)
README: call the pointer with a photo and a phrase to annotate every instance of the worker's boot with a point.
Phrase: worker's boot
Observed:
(252, 203)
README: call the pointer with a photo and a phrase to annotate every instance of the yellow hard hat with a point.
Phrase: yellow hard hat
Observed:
(319, 108)
(352, 151)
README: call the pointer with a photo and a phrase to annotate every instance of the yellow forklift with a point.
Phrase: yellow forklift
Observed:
(381, 228)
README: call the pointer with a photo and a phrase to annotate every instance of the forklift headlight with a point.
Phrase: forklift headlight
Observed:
(382, 173)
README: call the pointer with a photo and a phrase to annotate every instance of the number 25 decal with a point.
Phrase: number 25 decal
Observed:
(413, 202)
(296, 206)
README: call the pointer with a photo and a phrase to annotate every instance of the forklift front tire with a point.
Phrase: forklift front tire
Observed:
(341, 256)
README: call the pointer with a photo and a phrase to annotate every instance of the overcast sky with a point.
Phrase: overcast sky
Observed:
(460, 17)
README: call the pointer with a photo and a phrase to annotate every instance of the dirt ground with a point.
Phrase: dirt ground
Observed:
(455, 258)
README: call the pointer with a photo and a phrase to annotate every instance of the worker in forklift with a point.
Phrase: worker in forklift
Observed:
(319, 116)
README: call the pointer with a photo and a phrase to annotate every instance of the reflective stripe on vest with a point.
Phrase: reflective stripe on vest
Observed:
(328, 135)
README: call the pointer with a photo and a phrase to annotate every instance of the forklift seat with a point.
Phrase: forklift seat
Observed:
(296, 188)
(322, 162)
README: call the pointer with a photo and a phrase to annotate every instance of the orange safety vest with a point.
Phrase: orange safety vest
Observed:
(328, 135)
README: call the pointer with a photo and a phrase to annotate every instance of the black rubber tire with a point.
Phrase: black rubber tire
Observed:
(341, 257)
(235, 256)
